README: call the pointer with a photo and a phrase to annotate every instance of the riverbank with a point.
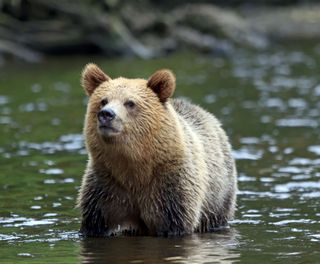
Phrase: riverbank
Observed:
(30, 31)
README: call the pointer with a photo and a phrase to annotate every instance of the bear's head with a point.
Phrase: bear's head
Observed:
(126, 108)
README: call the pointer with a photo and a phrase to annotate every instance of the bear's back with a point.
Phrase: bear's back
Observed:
(194, 115)
(218, 158)
(207, 128)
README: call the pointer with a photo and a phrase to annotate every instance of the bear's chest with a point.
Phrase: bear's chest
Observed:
(133, 174)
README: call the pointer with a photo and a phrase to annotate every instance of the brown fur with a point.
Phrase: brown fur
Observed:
(92, 77)
(162, 83)
(169, 171)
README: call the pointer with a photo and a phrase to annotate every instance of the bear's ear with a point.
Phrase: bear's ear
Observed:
(92, 77)
(163, 83)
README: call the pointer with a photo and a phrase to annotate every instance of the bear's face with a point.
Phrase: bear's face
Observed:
(126, 107)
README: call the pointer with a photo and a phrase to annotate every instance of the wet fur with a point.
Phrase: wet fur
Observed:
(170, 173)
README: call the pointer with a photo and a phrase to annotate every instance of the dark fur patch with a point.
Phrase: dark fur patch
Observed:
(163, 83)
(92, 77)
(93, 222)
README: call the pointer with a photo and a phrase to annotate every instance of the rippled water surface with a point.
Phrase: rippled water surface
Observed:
(269, 104)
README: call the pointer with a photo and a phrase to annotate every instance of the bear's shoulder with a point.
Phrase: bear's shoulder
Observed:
(194, 114)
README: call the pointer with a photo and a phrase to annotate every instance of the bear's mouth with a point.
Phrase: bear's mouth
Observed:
(108, 130)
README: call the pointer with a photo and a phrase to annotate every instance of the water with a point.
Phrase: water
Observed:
(269, 105)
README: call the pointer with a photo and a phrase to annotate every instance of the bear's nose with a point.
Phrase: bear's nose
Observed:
(106, 115)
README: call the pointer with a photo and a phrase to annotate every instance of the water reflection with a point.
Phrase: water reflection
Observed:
(207, 248)
(69, 142)
(269, 102)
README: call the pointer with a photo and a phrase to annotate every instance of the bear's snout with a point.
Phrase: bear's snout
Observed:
(106, 115)
(109, 123)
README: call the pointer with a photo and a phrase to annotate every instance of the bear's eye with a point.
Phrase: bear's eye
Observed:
(129, 104)
(104, 102)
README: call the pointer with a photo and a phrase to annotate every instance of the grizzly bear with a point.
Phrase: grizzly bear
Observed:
(157, 166)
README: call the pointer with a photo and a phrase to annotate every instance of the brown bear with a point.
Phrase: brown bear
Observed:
(157, 166)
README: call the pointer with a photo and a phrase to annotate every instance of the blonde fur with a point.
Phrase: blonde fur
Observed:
(170, 171)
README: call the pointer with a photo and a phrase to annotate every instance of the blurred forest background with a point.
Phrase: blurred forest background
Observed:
(32, 29)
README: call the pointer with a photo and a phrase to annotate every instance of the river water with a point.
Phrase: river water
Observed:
(268, 102)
